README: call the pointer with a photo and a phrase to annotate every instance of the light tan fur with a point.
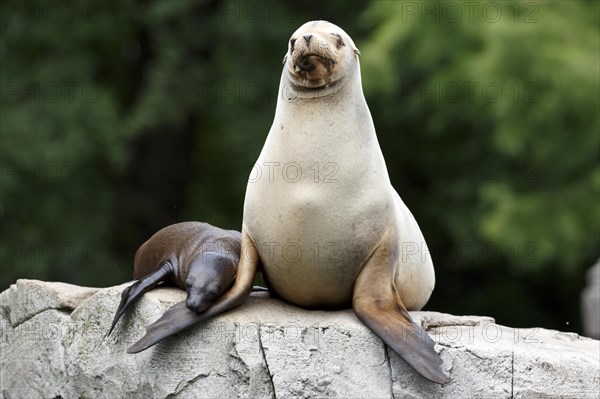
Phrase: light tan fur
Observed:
(338, 218)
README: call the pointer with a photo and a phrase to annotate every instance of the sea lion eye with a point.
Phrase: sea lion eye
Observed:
(340, 42)
(292, 42)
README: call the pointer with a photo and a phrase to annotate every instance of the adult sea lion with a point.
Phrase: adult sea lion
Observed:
(197, 257)
(321, 213)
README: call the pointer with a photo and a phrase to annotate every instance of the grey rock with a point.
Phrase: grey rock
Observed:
(54, 345)
(27, 298)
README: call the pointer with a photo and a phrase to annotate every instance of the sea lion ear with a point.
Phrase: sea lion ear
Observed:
(284, 58)
(357, 52)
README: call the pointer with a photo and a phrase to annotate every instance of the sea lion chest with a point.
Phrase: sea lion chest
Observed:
(316, 202)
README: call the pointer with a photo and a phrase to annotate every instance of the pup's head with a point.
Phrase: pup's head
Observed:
(209, 276)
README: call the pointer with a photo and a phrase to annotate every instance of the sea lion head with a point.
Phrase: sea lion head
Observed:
(320, 54)
(209, 276)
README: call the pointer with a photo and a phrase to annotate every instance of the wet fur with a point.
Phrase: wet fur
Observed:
(190, 252)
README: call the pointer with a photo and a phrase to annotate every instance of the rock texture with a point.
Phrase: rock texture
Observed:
(53, 345)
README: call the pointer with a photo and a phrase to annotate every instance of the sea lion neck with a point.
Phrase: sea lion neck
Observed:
(310, 111)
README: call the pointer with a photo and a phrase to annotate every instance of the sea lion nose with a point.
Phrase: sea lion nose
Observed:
(304, 65)
(307, 38)
(192, 305)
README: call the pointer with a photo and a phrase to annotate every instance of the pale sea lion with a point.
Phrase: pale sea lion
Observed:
(326, 223)
(197, 257)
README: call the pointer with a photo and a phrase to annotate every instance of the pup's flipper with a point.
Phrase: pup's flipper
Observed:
(177, 318)
(134, 291)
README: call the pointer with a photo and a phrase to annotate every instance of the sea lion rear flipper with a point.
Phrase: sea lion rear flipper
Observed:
(134, 291)
(179, 317)
(376, 303)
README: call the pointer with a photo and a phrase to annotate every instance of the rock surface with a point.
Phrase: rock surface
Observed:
(53, 344)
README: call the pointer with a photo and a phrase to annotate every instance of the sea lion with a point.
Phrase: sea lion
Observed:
(197, 257)
(343, 237)
(321, 213)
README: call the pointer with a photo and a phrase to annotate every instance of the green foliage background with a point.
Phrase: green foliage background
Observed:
(119, 118)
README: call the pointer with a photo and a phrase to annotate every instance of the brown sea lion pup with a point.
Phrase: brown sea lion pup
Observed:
(354, 242)
(197, 257)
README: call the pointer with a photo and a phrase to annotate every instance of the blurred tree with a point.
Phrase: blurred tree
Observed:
(119, 118)
(62, 145)
(488, 115)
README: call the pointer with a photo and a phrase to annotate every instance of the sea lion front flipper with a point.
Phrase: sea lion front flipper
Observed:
(377, 304)
(134, 291)
(179, 317)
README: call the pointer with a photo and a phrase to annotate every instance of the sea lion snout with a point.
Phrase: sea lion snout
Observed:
(209, 276)
(319, 56)
(312, 57)
(313, 43)
(202, 292)
(196, 304)
(304, 65)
